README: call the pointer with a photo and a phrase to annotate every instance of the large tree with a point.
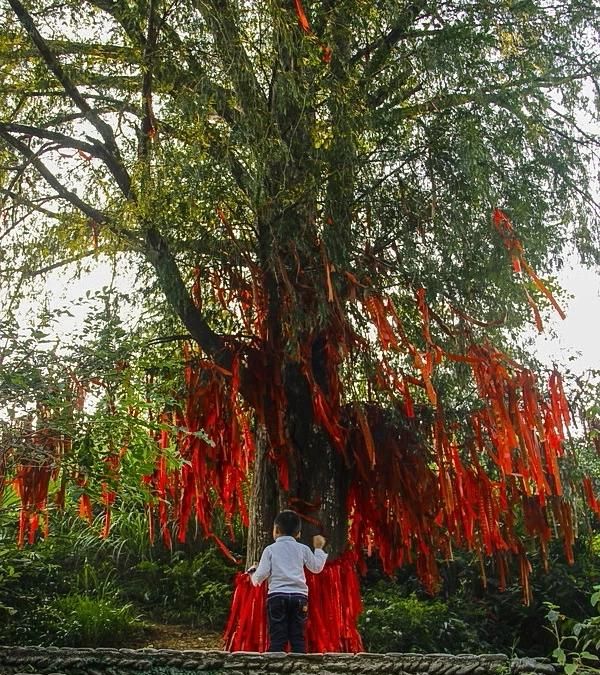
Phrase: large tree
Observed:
(329, 196)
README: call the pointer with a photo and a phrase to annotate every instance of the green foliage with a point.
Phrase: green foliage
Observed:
(48, 595)
(428, 115)
(195, 590)
(465, 617)
(577, 642)
(76, 588)
(512, 625)
(28, 581)
(83, 621)
(392, 622)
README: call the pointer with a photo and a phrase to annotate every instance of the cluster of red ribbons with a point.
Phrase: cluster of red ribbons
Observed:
(420, 488)
(512, 243)
(214, 468)
(31, 484)
(34, 473)
(333, 608)
(305, 26)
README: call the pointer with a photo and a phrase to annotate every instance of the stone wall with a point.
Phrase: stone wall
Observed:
(67, 661)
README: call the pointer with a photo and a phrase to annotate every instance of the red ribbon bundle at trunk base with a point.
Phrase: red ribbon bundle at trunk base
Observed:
(333, 608)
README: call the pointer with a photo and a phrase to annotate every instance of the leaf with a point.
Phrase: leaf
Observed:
(553, 616)
(589, 656)
(559, 655)
(570, 668)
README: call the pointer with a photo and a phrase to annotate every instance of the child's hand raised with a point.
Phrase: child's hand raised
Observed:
(318, 541)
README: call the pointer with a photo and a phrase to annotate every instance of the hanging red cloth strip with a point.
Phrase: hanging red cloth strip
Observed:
(333, 609)
(246, 628)
(302, 20)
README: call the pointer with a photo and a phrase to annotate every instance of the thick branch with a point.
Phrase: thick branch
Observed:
(389, 40)
(169, 277)
(160, 257)
(148, 130)
(51, 179)
(126, 55)
(125, 18)
(61, 139)
(112, 156)
(487, 95)
(123, 83)
(385, 45)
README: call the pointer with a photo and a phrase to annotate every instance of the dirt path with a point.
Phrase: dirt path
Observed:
(167, 636)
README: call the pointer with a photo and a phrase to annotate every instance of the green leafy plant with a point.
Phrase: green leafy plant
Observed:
(577, 643)
(394, 623)
(194, 590)
(83, 621)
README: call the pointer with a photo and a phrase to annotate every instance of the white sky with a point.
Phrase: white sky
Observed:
(576, 342)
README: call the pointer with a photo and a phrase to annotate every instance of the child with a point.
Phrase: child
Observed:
(283, 563)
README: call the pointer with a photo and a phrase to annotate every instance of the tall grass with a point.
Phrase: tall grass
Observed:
(84, 621)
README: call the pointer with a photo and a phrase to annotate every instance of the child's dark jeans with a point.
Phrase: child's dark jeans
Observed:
(287, 614)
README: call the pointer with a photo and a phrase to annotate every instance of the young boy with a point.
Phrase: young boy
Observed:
(283, 563)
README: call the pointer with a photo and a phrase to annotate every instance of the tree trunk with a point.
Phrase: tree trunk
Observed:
(264, 500)
(322, 482)
(318, 480)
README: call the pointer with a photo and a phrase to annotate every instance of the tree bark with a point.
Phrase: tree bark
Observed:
(264, 500)
(318, 480)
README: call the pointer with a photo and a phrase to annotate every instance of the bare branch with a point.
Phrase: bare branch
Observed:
(23, 201)
(61, 263)
(61, 139)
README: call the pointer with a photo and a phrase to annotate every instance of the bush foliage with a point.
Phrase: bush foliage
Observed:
(76, 589)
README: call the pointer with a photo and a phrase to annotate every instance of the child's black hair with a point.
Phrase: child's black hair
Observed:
(288, 523)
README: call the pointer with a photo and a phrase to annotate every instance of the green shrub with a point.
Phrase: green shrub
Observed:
(194, 590)
(28, 579)
(83, 621)
(393, 623)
